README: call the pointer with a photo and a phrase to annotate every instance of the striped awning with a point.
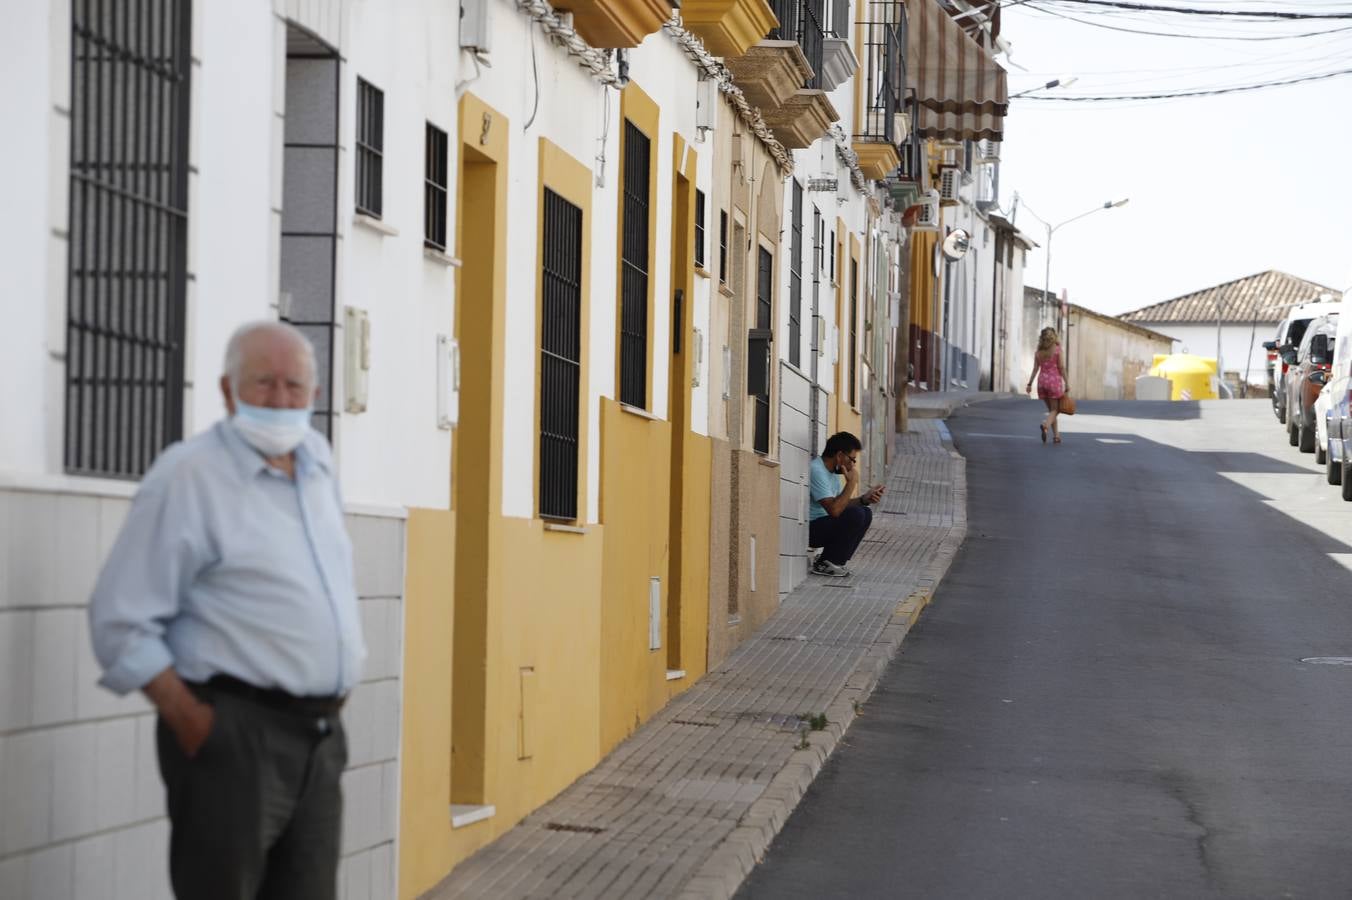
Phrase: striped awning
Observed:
(960, 90)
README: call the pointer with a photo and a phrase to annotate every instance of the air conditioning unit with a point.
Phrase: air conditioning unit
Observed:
(706, 103)
(927, 219)
(476, 25)
(988, 151)
(950, 184)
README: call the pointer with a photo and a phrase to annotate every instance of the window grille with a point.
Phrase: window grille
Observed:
(700, 237)
(722, 246)
(634, 269)
(796, 277)
(370, 148)
(127, 266)
(802, 21)
(758, 376)
(560, 356)
(308, 249)
(853, 349)
(434, 188)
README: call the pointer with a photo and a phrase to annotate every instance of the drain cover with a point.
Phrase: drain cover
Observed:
(1328, 660)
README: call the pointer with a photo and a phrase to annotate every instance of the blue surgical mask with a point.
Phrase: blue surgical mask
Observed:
(272, 432)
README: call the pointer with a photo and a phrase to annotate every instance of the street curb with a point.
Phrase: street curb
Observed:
(723, 872)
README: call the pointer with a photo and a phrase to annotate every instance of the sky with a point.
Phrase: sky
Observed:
(1219, 187)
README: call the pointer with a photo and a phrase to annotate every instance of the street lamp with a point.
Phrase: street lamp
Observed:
(1052, 229)
(1054, 83)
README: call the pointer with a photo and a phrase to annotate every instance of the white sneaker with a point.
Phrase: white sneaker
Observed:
(828, 568)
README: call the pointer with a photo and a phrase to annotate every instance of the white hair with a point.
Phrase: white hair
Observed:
(234, 348)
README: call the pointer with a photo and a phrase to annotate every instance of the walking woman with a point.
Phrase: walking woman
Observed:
(1050, 371)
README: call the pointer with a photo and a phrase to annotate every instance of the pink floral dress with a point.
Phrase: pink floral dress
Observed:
(1050, 384)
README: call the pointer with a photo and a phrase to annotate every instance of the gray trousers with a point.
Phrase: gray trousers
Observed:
(257, 813)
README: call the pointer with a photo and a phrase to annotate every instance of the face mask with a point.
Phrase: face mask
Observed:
(272, 432)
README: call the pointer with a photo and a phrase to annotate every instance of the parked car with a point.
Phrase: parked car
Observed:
(1337, 398)
(1307, 372)
(1290, 331)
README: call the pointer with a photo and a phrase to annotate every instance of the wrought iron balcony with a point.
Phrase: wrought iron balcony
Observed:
(802, 21)
(884, 74)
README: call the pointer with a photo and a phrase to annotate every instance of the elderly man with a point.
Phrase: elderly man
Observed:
(837, 519)
(228, 599)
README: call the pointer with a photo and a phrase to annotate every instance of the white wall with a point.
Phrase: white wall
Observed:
(33, 156)
(1200, 340)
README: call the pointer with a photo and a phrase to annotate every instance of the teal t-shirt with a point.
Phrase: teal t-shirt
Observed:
(822, 485)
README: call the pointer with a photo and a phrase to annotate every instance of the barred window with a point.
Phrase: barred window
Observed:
(722, 246)
(796, 277)
(634, 269)
(560, 356)
(854, 328)
(699, 228)
(759, 357)
(127, 266)
(434, 188)
(370, 148)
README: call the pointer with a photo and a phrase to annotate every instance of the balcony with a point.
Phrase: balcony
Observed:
(781, 74)
(616, 23)
(884, 73)
(804, 117)
(838, 61)
(728, 28)
(770, 72)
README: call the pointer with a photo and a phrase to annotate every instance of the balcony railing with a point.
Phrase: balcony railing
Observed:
(912, 151)
(883, 69)
(838, 16)
(802, 21)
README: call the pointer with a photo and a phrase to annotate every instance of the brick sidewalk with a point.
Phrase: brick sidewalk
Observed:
(690, 801)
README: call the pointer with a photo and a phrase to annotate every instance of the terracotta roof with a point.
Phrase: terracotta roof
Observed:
(1264, 297)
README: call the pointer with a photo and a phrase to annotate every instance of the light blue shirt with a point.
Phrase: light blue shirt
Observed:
(822, 486)
(227, 566)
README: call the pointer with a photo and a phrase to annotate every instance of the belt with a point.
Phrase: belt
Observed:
(274, 698)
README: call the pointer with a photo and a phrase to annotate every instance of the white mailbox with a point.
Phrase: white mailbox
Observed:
(356, 358)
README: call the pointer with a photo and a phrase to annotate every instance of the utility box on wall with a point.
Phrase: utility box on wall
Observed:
(356, 358)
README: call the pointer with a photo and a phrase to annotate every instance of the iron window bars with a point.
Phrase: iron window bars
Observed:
(722, 246)
(308, 249)
(802, 21)
(127, 268)
(634, 269)
(796, 277)
(434, 188)
(370, 148)
(853, 349)
(560, 356)
(883, 70)
(758, 357)
(700, 237)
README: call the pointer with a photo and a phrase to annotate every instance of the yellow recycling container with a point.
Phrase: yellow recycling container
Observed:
(1191, 377)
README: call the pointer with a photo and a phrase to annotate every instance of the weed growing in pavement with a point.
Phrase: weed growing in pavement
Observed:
(814, 721)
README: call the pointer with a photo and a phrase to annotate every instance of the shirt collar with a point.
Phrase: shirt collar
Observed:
(312, 455)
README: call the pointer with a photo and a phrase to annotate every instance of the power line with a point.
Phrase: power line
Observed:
(1174, 34)
(1212, 92)
(1195, 11)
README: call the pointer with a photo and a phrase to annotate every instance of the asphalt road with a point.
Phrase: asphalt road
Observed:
(1106, 698)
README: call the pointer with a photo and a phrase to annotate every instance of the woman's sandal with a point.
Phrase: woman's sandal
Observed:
(1056, 439)
(1044, 433)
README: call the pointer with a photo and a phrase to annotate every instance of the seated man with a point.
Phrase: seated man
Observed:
(837, 521)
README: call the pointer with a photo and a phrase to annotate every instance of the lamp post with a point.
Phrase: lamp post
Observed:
(1051, 231)
(1054, 83)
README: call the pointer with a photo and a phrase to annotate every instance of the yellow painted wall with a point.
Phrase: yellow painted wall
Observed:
(635, 472)
(696, 498)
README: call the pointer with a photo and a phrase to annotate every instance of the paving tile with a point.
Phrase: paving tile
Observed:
(682, 809)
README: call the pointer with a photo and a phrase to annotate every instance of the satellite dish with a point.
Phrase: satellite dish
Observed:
(956, 245)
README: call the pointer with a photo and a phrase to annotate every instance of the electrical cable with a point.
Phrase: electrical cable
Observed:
(1210, 92)
(1171, 34)
(1194, 11)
